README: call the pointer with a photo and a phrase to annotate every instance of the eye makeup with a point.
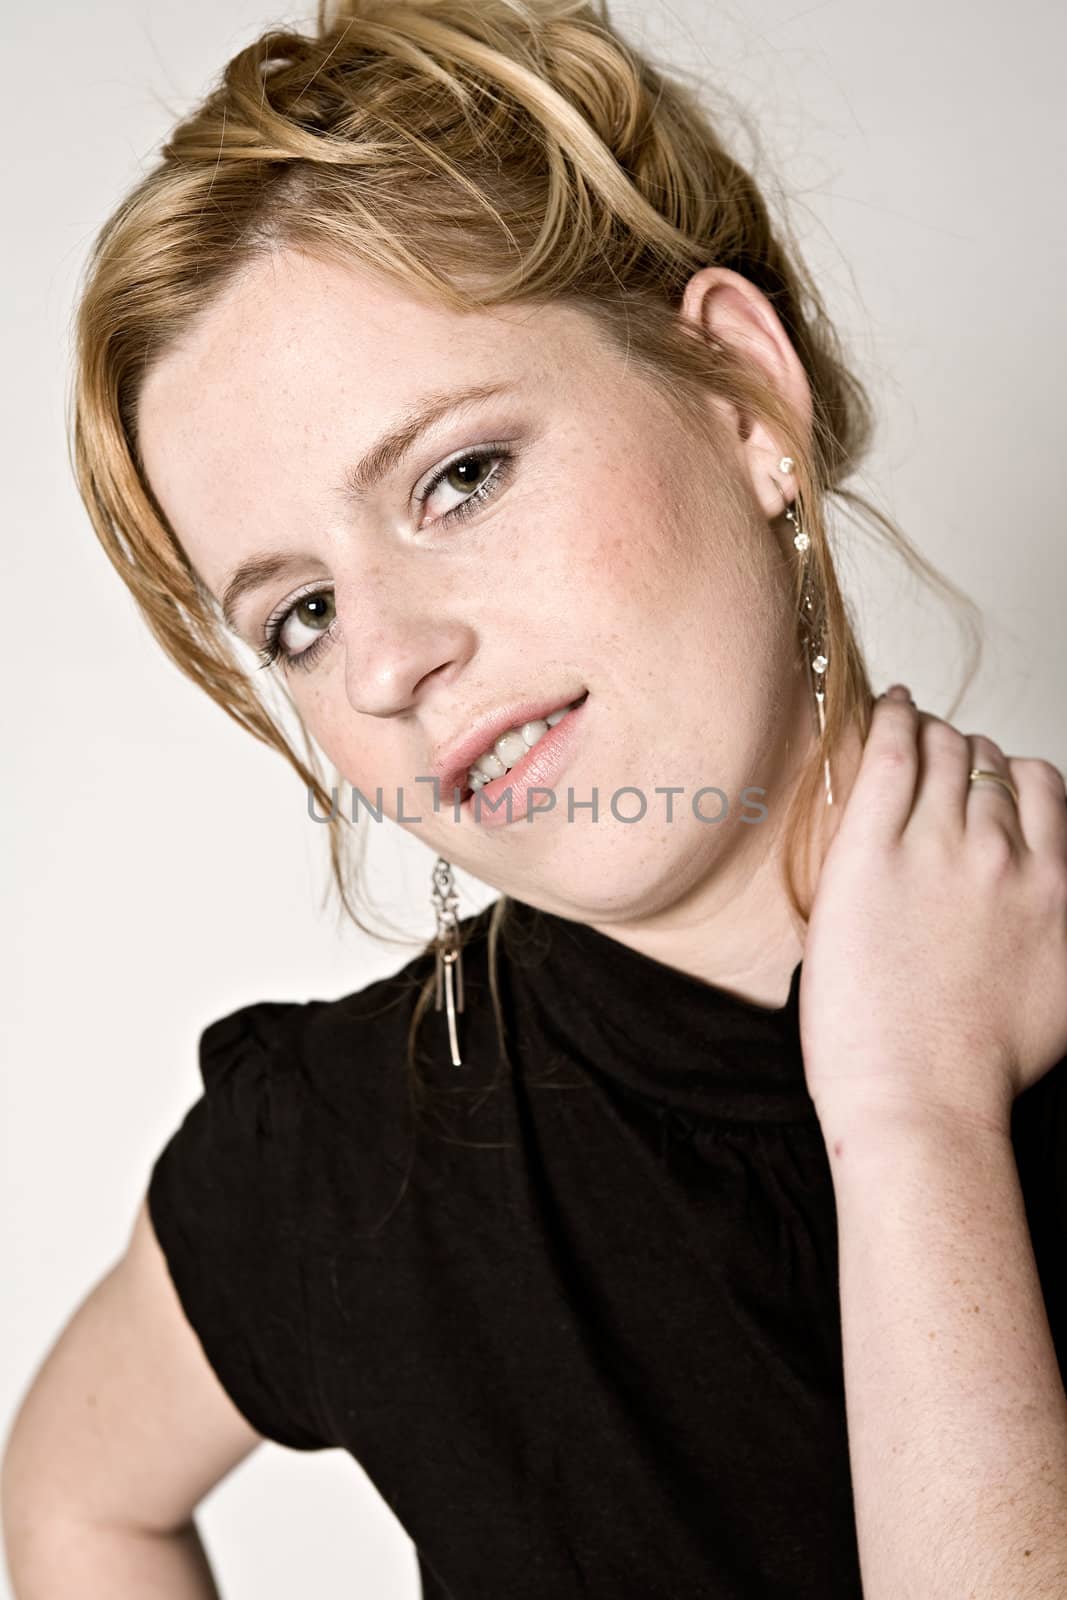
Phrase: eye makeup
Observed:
(273, 649)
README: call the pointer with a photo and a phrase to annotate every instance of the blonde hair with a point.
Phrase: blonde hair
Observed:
(422, 139)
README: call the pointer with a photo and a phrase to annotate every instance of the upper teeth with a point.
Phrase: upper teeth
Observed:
(511, 747)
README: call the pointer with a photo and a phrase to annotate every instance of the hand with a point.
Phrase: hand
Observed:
(934, 982)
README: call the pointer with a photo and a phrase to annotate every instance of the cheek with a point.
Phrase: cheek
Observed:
(617, 539)
(327, 716)
(365, 752)
(646, 548)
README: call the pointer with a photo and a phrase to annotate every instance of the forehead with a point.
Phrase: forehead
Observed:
(295, 331)
(298, 365)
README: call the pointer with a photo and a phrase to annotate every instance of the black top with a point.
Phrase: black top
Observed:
(582, 1329)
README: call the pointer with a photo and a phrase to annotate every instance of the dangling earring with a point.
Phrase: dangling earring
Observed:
(448, 952)
(820, 661)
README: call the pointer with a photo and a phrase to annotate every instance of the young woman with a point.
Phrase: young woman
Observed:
(690, 1222)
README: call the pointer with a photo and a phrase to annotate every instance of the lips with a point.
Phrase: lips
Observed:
(454, 763)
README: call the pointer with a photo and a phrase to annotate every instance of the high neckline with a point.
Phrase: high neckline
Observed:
(673, 1037)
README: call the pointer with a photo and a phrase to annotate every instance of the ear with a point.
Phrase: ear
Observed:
(735, 311)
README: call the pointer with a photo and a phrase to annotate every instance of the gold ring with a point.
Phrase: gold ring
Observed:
(979, 772)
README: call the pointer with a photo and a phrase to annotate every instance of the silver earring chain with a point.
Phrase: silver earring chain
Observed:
(819, 660)
(448, 971)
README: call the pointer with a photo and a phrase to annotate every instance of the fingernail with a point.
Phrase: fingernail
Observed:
(899, 691)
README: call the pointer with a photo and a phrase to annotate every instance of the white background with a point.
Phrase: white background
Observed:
(162, 870)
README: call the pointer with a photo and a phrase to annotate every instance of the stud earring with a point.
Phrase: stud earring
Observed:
(448, 952)
(819, 660)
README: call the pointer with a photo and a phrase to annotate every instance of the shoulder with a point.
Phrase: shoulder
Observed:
(377, 1016)
(258, 1032)
(276, 1061)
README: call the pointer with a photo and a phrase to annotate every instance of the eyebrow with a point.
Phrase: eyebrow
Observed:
(384, 456)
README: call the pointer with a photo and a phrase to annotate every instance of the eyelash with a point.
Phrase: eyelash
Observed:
(272, 650)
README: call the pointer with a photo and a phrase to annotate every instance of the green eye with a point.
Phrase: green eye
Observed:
(478, 492)
(315, 611)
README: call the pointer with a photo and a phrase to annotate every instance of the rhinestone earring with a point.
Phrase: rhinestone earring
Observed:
(448, 989)
(819, 660)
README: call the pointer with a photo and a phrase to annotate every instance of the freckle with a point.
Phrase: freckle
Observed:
(978, 1308)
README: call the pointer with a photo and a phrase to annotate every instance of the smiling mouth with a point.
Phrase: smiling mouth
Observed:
(508, 754)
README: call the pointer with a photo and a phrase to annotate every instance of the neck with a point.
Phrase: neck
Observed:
(737, 928)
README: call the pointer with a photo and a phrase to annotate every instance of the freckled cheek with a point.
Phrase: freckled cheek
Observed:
(355, 760)
(357, 752)
(601, 536)
(327, 716)
(628, 554)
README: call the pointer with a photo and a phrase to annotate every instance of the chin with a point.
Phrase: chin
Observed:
(615, 872)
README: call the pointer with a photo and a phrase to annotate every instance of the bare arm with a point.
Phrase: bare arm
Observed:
(957, 1418)
(123, 1431)
(98, 1563)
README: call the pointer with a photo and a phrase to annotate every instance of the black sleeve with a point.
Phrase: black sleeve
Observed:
(1039, 1138)
(219, 1205)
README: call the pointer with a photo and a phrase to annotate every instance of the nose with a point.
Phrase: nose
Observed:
(394, 643)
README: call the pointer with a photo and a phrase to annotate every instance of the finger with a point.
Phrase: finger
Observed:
(1042, 805)
(989, 805)
(944, 762)
(883, 790)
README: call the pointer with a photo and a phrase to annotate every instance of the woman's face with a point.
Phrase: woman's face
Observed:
(577, 541)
